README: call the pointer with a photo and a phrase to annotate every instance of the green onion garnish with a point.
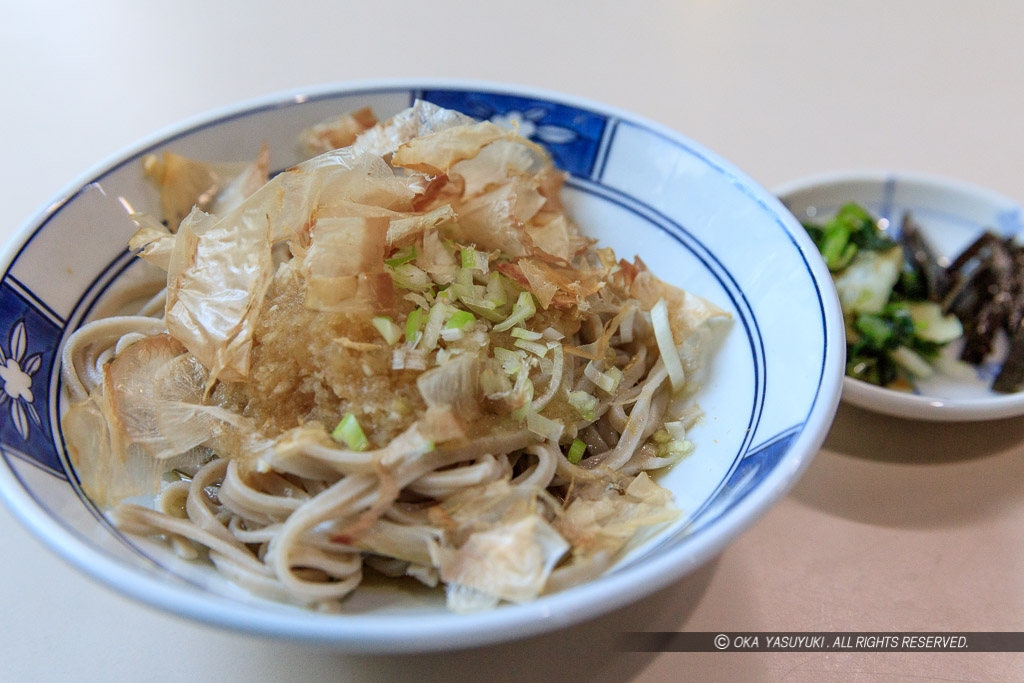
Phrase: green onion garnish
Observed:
(495, 292)
(350, 433)
(533, 347)
(389, 330)
(459, 320)
(402, 256)
(471, 258)
(408, 276)
(529, 335)
(585, 404)
(544, 427)
(524, 308)
(576, 451)
(608, 381)
(412, 326)
(511, 361)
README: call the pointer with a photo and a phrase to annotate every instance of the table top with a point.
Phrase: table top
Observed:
(896, 526)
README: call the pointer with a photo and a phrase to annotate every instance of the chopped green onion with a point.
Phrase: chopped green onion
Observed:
(459, 320)
(549, 333)
(402, 256)
(576, 451)
(533, 347)
(463, 286)
(483, 304)
(419, 299)
(521, 333)
(471, 258)
(544, 427)
(676, 429)
(496, 289)
(472, 296)
(667, 345)
(511, 361)
(523, 309)
(674, 450)
(608, 381)
(506, 355)
(484, 309)
(389, 330)
(585, 404)
(350, 433)
(412, 326)
(408, 276)
(432, 330)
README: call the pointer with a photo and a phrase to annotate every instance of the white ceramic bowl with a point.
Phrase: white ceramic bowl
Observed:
(951, 214)
(694, 218)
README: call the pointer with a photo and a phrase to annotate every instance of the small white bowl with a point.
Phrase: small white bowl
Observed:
(951, 214)
(695, 219)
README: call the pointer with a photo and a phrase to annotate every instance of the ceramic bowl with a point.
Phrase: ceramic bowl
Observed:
(951, 214)
(700, 223)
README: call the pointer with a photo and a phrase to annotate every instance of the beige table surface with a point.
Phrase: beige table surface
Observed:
(897, 525)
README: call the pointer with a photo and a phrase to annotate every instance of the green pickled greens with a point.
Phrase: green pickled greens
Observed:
(893, 334)
(851, 230)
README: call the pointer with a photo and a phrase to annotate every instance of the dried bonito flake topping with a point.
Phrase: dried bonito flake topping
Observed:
(336, 132)
(215, 187)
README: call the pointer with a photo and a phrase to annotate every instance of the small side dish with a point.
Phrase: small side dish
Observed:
(902, 305)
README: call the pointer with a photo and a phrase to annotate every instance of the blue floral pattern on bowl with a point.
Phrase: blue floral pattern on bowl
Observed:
(26, 361)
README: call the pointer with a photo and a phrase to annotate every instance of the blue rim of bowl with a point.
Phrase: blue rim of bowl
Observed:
(378, 633)
(897, 403)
